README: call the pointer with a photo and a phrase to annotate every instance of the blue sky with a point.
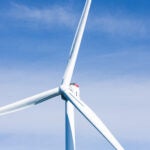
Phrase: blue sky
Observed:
(113, 70)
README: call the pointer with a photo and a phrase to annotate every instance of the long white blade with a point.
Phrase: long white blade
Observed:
(28, 102)
(92, 118)
(76, 45)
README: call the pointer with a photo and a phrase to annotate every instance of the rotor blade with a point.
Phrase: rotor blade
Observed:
(30, 101)
(92, 118)
(76, 45)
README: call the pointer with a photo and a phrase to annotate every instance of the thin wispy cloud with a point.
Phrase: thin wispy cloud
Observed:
(123, 25)
(54, 15)
(111, 24)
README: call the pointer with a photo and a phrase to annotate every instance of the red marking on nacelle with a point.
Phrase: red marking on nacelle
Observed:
(75, 84)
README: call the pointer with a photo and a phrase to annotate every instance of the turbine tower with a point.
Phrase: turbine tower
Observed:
(70, 93)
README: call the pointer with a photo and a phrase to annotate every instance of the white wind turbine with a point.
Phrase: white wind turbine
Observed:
(69, 92)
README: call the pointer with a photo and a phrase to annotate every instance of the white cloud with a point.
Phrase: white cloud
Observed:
(118, 24)
(55, 15)
(121, 25)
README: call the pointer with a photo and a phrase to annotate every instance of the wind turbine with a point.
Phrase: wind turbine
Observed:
(70, 93)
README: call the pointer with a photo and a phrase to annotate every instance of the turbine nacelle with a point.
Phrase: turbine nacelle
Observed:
(74, 88)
